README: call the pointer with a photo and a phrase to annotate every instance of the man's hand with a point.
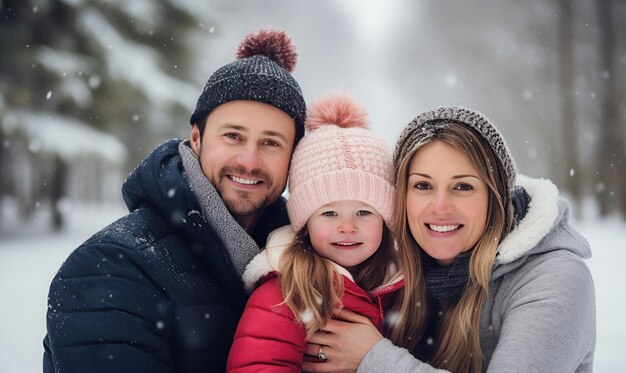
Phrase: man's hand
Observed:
(345, 340)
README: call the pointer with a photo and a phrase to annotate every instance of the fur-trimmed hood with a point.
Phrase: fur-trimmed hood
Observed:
(544, 227)
(268, 261)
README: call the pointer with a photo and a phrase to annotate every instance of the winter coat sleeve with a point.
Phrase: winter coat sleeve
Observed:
(106, 315)
(268, 338)
(548, 322)
(548, 326)
(386, 357)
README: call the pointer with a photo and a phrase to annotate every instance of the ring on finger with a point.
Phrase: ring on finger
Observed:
(321, 355)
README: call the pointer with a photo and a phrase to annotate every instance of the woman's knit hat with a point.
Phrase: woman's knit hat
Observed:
(265, 59)
(427, 125)
(338, 159)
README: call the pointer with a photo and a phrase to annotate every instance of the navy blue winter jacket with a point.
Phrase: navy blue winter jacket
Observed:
(153, 292)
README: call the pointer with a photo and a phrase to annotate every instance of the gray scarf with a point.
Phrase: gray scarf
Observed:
(446, 283)
(239, 246)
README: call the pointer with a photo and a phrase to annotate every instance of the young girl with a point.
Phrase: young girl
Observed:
(338, 251)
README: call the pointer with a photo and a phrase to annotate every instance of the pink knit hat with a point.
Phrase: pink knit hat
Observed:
(338, 159)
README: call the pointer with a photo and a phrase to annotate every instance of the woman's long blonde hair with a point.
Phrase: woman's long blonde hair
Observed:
(457, 346)
(311, 286)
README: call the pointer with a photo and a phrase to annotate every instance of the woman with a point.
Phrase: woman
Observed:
(496, 280)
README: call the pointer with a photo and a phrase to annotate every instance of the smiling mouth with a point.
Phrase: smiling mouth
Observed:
(444, 228)
(347, 245)
(244, 181)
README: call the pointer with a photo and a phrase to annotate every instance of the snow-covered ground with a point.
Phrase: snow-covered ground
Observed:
(29, 258)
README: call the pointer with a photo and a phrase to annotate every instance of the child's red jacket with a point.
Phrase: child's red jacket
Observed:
(268, 337)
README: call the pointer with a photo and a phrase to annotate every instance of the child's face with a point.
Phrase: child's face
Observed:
(346, 232)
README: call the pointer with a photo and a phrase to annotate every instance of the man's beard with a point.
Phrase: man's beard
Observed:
(247, 203)
(244, 206)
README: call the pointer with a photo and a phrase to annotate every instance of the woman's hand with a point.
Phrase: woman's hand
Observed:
(345, 340)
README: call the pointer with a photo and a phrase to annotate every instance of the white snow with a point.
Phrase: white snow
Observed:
(30, 257)
(61, 135)
(135, 63)
(61, 62)
(607, 238)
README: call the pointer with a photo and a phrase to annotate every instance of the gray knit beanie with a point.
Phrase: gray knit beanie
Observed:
(261, 73)
(427, 125)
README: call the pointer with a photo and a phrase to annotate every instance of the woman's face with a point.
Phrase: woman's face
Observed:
(446, 201)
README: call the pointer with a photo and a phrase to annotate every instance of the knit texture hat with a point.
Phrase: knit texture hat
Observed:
(427, 125)
(261, 73)
(338, 159)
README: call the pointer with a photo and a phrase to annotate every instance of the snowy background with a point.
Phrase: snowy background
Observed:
(88, 87)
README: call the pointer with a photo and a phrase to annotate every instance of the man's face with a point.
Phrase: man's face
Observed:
(245, 152)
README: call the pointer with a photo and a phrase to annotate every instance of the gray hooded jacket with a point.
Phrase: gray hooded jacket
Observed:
(540, 313)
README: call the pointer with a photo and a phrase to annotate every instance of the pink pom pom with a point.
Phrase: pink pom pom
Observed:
(338, 108)
(272, 43)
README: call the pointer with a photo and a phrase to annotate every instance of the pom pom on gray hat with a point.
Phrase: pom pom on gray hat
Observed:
(262, 72)
(426, 125)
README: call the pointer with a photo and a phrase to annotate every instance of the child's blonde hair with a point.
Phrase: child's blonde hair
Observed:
(311, 286)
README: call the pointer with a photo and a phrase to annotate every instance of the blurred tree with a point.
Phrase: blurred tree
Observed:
(120, 67)
(570, 173)
(117, 66)
(610, 154)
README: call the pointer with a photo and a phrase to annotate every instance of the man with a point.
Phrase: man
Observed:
(160, 290)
